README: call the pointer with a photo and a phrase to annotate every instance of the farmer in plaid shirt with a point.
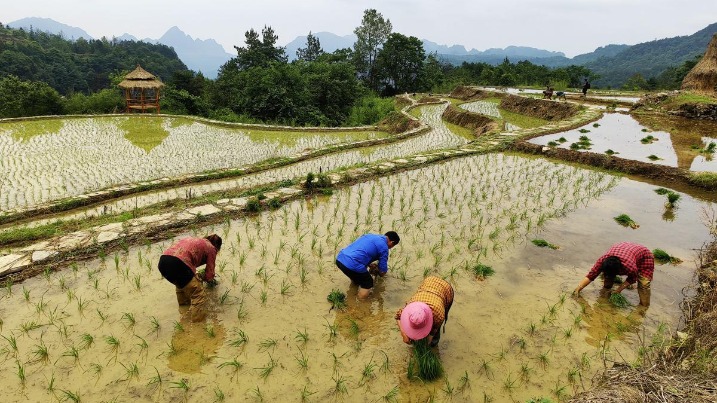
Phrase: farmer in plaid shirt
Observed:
(626, 259)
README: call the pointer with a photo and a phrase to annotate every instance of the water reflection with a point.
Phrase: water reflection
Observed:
(604, 322)
(675, 145)
(195, 344)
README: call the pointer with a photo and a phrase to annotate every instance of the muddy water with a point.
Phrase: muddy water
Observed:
(272, 336)
(677, 146)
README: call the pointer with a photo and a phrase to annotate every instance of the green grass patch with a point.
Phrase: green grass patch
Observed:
(481, 271)
(26, 129)
(460, 131)
(525, 122)
(416, 112)
(704, 179)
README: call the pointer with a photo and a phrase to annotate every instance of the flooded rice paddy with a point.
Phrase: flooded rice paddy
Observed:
(438, 137)
(629, 139)
(46, 160)
(110, 329)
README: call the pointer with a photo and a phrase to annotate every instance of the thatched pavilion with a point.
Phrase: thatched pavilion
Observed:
(141, 90)
(703, 77)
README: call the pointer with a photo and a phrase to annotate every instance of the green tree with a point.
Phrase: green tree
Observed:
(635, 82)
(27, 98)
(258, 52)
(399, 64)
(370, 37)
(312, 51)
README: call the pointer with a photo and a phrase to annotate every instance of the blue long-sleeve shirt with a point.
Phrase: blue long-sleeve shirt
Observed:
(366, 249)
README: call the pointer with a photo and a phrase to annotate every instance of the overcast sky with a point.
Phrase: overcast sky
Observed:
(569, 26)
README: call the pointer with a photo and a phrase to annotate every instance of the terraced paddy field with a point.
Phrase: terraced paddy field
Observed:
(109, 329)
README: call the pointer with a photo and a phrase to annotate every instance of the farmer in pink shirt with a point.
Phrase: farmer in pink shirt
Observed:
(178, 264)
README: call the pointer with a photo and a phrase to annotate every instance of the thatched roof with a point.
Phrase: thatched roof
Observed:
(141, 78)
(703, 77)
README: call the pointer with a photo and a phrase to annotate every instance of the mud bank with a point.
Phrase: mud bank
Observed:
(631, 167)
(478, 123)
(538, 108)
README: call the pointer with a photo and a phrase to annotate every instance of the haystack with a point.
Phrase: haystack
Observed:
(703, 77)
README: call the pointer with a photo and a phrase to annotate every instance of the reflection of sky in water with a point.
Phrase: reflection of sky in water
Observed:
(621, 133)
(704, 162)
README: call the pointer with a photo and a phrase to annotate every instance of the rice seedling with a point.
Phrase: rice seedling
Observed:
(302, 337)
(102, 316)
(303, 361)
(96, 369)
(525, 371)
(129, 319)
(70, 396)
(154, 323)
(12, 344)
(263, 296)
(131, 371)
(585, 361)
(26, 294)
(41, 353)
(649, 139)
(618, 300)
(218, 395)
(577, 320)
(285, 287)
(542, 243)
(560, 391)
(337, 299)
(27, 327)
(509, 384)
(267, 344)
(367, 373)
(567, 333)
(156, 380)
(234, 364)
(87, 340)
(573, 375)
(113, 343)
(306, 393)
(266, 370)
(256, 392)
(532, 328)
(333, 330)
(339, 384)
(182, 384)
(626, 221)
(653, 157)
(142, 344)
(543, 359)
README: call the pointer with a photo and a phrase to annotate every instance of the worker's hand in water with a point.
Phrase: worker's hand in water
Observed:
(213, 283)
(373, 269)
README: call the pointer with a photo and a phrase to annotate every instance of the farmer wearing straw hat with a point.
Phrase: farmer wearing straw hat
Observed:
(178, 264)
(426, 311)
(357, 260)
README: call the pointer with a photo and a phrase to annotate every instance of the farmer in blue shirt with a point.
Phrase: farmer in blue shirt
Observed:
(358, 260)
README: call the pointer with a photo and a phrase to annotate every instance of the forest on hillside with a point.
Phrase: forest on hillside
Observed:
(47, 74)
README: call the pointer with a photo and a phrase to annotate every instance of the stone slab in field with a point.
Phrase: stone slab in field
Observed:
(205, 210)
(41, 255)
(13, 262)
(107, 236)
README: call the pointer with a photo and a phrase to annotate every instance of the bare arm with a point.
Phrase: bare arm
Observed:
(583, 283)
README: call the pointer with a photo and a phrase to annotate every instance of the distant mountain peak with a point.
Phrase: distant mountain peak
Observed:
(51, 26)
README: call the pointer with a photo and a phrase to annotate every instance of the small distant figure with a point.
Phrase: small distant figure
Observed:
(548, 93)
(178, 264)
(426, 311)
(628, 259)
(586, 87)
(560, 95)
(358, 260)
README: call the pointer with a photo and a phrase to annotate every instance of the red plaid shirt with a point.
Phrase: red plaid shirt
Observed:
(636, 261)
(195, 252)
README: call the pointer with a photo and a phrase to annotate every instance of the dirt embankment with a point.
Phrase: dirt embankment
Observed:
(667, 103)
(472, 93)
(539, 108)
(476, 122)
(611, 162)
(396, 122)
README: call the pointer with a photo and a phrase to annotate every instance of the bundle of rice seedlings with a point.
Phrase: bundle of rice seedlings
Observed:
(424, 364)
(544, 244)
(337, 299)
(663, 257)
(626, 221)
(618, 300)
